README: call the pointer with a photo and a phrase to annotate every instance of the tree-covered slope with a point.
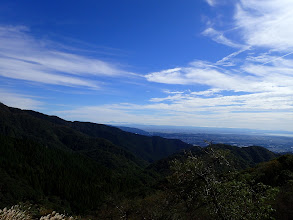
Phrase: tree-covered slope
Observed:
(59, 179)
(240, 158)
(54, 131)
(145, 147)
(207, 184)
(245, 157)
(45, 159)
(277, 173)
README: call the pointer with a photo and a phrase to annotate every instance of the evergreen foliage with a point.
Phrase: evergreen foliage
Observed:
(59, 179)
(56, 132)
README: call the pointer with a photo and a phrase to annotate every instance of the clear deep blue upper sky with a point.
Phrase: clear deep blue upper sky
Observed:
(216, 63)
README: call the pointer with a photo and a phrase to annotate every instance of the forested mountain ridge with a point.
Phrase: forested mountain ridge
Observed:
(50, 176)
(54, 131)
(105, 162)
(239, 158)
(21, 124)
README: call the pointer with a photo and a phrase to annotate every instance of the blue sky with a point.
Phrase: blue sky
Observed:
(209, 63)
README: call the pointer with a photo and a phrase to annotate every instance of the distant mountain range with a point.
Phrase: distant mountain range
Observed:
(135, 130)
(204, 130)
(281, 142)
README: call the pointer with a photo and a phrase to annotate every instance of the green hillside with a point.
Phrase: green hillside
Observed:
(60, 179)
(277, 173)
(55, 132)
(69, 165)
(239, 158)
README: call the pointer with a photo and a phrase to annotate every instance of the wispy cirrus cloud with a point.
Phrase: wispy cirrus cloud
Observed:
(24, 57)
(265, 23)
(258, 24)
(24, 70)
(228, 60)
(203, 73)
(252, 87)
(220, 38)
(211, 2)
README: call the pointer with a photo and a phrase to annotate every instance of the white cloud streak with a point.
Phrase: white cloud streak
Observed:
(211, 2)
(266, 23)
(220, 38)
(23, 70)
(26, 58)
(217, 78)
(226, 61)
(257, 23)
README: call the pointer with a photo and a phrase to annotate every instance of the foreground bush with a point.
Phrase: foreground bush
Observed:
(15, 212)
(23, 213)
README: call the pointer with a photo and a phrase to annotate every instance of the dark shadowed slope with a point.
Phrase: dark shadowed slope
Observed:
(84, 136)
(63, 180)
(239, 158)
